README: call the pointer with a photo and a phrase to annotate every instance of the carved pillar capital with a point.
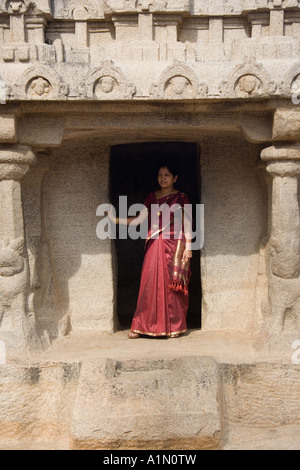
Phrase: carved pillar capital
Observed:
(282, 159)
(15, 162)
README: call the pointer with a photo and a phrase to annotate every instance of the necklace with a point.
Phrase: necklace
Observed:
(160, 212)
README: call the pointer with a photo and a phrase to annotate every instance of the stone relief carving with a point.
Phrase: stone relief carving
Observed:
(12, 265)
(39, 87)
(280, 305)
(281, 308)
(178, 82)
(107, 83)
(247, 85)
(248, 81)
(11, 261)
(51, 322)
(178, 86)
(43, 300)
(17, 317)
(40, 82)
(18, 7)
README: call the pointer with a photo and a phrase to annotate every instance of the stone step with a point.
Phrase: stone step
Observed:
(164, 404)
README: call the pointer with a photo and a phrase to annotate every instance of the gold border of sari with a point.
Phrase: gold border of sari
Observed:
(159, 334)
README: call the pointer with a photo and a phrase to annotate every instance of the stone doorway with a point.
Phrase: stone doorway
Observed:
(133, 173)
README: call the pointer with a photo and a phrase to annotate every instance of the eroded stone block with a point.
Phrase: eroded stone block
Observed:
(36, 402)
(165, 404)
(286, 124)
(8, 128)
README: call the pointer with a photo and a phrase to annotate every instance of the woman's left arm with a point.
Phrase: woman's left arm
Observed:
(188, 229)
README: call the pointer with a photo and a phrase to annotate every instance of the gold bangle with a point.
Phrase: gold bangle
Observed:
(117, 220)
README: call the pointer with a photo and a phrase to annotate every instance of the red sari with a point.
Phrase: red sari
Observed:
(163, 296)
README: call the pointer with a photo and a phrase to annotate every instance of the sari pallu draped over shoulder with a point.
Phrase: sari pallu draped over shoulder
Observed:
(163, 296)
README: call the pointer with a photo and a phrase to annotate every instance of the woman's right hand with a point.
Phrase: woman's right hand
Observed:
(111, 215)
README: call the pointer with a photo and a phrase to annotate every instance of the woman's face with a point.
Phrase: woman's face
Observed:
(166, 179)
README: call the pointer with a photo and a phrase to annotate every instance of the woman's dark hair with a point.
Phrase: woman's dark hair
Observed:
(172, 167)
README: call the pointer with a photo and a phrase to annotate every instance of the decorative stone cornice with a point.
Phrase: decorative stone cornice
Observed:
(95, 9)
(260, 62)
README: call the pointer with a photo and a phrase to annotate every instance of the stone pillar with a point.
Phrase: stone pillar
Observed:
(14, 272)
(283, 164)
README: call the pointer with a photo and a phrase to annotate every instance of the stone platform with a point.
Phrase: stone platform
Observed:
(204, 390)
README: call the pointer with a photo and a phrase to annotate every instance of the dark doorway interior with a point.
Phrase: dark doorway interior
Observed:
(134, 174)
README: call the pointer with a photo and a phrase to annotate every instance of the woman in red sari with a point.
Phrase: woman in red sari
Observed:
(163, 296)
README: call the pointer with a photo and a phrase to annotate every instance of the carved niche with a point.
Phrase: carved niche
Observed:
(178, 82)
(291, 84)
(79, 10)
(106, 83)
(40, 83)
(248, 81)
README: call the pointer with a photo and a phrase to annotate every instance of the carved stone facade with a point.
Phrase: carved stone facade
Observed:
(79, 78)
(228, 68)
(246, 38)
